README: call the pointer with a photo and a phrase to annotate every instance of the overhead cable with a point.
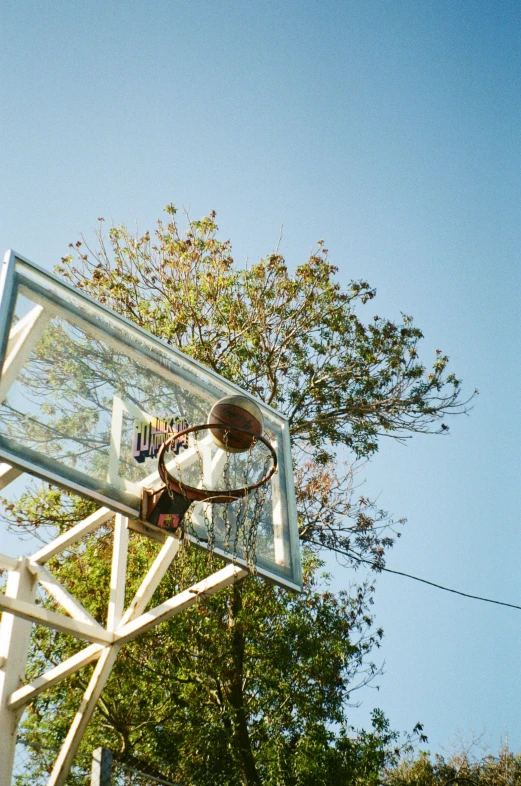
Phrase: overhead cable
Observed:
(415, 578)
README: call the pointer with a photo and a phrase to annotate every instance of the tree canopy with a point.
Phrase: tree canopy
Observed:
(253, 685)
(464, 767)
(294, 340)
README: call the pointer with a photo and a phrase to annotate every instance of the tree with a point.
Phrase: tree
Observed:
(305, 352)
(462, 768)
(236, 691)
(268, 678)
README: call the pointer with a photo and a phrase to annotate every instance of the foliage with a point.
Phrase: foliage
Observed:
(461, 768)
(296, 341)
(232, 691)
(238, 691)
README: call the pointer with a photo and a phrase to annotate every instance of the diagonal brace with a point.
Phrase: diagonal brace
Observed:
(61, 594)
(22, 696)
(223, 578)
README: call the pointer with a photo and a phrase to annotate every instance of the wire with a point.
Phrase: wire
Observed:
(416, 578)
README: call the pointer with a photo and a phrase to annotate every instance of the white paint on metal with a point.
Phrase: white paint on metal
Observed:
(151, 581)
(88, 525)
(22, 696)
(81, 719)
(8, 474)
(146, 529)
(9, 563)
(34, 613)
(20, 330)
(118, 572)
(14, 647)
(223, 578)
(131, 624)
(116, 431)
(279, 549)
(23, 338)
(61, 594)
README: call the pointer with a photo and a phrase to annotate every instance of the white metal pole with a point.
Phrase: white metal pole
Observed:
(106, 659)
(101, 773)
(118, 572)
(81, 719)
(14, 646)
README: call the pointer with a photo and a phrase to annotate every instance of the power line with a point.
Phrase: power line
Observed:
(416, 578)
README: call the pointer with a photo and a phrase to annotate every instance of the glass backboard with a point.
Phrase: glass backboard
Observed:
(86, 399)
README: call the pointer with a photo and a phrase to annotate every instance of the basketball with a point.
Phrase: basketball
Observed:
(236, 412)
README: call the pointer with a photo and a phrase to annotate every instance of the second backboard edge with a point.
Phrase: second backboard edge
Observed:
(6, 300)
(160, 535)
(7, 283)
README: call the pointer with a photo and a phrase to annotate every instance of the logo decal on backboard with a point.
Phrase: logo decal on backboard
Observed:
(149, 435)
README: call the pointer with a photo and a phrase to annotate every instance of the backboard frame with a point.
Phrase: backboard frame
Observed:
(47, 289)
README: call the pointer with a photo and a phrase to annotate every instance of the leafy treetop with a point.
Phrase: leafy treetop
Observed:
(295, 341)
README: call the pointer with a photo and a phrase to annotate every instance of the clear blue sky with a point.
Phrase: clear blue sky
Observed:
(391, 130)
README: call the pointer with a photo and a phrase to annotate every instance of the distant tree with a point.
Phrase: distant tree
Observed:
(460, 769)
(251, 686)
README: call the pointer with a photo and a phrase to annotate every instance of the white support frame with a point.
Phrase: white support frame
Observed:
(23, 337)
(15, 633)
(8, 474)
(20, 612)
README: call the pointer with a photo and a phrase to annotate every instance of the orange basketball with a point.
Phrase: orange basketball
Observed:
(231, 413)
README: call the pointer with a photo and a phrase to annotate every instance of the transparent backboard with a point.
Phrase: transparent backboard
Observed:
(86, 399)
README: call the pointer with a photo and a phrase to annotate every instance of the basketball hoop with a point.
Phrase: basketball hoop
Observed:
(234, 430)
(195, 494)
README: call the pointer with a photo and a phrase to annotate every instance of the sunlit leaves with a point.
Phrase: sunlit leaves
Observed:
(296, 340)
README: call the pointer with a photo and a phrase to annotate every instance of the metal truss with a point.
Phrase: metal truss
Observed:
(20, 612)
